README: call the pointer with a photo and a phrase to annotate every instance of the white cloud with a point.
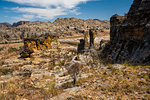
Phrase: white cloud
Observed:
(48, 3)
(41, 12)
(47, 9)
(24, 17)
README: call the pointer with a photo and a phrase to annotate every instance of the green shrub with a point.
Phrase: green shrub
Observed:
(63, 62)
(1, 49)
(67, 85)
(5, 71)
(11, 49)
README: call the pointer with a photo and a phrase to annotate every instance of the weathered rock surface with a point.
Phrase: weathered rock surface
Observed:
(41, 43)
(62, 26)
(20, 23)
(5, 25)
(84, 43)
(130, 35)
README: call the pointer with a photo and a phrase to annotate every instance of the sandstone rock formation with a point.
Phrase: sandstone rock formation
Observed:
(32, 45)
(84, 43)
(130, 35)
(81, 46)
(92, 37)
(62, 26)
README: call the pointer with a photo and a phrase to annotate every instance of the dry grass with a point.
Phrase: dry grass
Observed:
(131, 82)
(128, 83)
(24, 89)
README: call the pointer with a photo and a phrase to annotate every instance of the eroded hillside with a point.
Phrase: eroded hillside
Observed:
(62, 26)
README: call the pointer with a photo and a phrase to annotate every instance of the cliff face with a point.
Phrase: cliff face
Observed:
(130, 34)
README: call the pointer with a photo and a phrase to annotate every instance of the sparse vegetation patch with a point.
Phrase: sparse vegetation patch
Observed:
(11, 49)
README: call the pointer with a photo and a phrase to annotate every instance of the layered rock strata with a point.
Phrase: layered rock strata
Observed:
(32, 45)
(130, 35)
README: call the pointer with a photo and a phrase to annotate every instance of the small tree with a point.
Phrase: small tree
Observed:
(74, 71)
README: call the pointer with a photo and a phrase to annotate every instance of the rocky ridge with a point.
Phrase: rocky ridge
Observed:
(62, 26)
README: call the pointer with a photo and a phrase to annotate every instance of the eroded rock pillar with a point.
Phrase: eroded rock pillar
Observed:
(81, 46)
(92, 37)
(86, 39)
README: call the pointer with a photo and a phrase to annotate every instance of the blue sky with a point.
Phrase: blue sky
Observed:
(49, 10)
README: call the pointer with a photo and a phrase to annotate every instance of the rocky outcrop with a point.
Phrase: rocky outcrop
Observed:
(92, 37)
(63, 26)
(81, 46)
(5, 25)
(20, 23)
(32, 45)
(130, 35)
(84, 43)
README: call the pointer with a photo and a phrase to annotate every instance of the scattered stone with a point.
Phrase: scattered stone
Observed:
(74, 89)
(118, 66)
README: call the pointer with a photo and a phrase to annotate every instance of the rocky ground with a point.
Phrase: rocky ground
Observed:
(62, 74)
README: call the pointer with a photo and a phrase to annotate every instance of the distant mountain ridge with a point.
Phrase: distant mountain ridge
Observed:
(62, 26)
(5, 25)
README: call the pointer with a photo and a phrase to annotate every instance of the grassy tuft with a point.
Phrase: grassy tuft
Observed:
(11, 49)
(5, 71)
